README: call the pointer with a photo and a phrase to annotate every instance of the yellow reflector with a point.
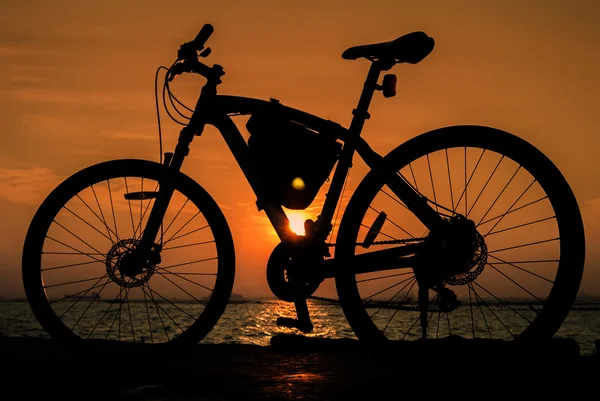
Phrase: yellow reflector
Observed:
(298, 183)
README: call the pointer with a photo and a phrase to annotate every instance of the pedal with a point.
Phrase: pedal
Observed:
(374, 230)
(290, 323)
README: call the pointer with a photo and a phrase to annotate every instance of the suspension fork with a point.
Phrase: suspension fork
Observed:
(173, 166)
(165, 191)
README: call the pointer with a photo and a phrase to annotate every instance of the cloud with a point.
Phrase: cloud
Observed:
(27, 186)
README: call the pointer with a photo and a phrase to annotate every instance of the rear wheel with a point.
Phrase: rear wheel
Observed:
(78, 272)
(523, 272)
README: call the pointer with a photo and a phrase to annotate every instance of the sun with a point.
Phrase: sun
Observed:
(296, 222)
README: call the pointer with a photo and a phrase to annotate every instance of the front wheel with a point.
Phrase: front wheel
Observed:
(518, 278)
(75, 260)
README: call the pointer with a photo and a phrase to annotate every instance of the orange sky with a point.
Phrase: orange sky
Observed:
(77, 88)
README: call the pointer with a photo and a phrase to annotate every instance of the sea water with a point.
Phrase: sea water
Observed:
(254, 322)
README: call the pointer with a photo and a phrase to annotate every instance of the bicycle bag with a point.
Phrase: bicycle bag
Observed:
(292, 160)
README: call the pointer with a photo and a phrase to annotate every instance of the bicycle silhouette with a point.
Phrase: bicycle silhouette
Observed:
(477, 221)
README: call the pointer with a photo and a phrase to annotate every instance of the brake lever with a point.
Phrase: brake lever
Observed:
(177, 69)
(187, 51)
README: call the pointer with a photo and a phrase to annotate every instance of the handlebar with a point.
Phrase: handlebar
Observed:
(203, 36)
(189, 50)
(187, 57)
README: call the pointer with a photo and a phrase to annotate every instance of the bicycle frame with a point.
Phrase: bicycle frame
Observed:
(217, 110)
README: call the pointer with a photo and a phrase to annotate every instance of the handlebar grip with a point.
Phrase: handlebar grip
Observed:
(203, 36)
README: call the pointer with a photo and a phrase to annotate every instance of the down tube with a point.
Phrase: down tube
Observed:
(239, 148)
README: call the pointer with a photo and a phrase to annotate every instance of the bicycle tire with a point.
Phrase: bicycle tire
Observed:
(446, 143)
(81, 196)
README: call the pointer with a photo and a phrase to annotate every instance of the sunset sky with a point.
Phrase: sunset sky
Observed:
(77, 81)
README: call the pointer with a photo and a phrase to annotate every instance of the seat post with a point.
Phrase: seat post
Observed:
(361, 112)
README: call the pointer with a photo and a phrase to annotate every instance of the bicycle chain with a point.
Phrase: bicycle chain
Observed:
(386, 242)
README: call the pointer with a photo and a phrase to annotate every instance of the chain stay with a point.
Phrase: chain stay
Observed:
(386, 242)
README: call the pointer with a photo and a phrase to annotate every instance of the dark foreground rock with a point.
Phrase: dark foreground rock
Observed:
(300, 368)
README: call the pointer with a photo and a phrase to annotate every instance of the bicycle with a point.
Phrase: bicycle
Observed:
(419, 216)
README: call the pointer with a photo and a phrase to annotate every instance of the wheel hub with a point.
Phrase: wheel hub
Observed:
(125, 266)
(459, 256)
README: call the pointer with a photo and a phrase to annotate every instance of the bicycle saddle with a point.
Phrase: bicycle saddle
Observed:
(410, 48)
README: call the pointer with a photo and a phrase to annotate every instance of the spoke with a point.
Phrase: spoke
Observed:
(481, 310)
(181, 228)
(392, 286)
(402, 229)
(499, 195)
(182, 289)
(485, 185)
(104, 314)
(395, 295)
(396, 311)
(520, 268)
(103, 219)
(118, 314)
(140, 218)
(510, 208)
(450, 180)
(173, 238)
(465, 191)
(86, 309)
(176, 215)
(432, 186)
(515, 283)
(502, 302)
(112, 206)
(521, 225)
(410, 328)
(81, 297)
(184, 246)
(394, 199)
(471, 308)
(513, 264)
(189, 274)
(512, 211)
(379, 278)
(75, 235)
(156, 308)
(73, 253)
(71, 265)
(74, 282)
(490, 309)
(129, 308)
(413, 175)
(172, 304)
(448, 320)
(187, 263)
(524, 245)
(380, 233)
(146, 302)
(79, 292)
(98, 231)
(393, 223)
(437, 330)
(120, 309)
(162, 273)
(78, 252)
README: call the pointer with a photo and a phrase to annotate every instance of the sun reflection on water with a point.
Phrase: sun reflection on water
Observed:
(261, 326)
